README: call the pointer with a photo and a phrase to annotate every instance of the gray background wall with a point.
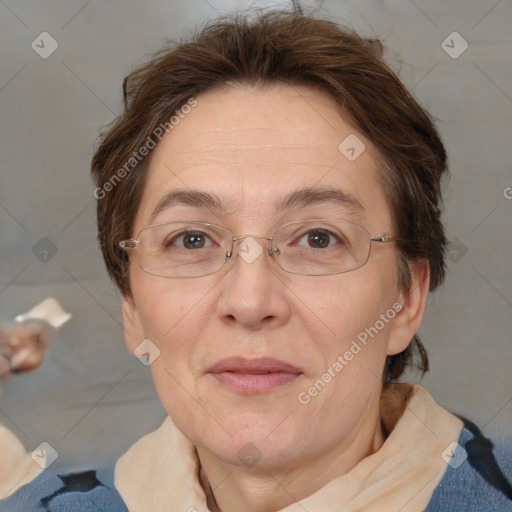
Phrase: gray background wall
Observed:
(91, 399)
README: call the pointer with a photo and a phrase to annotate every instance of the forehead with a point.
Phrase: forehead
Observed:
(251, 148)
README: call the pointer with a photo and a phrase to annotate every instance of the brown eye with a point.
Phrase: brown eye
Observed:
(189, 240)
(194, 240)
(319, 239)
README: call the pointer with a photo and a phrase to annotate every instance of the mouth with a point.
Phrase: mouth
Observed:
(253, 376)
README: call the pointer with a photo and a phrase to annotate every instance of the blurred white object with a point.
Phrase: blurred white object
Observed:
(24, 342)
(48, 310)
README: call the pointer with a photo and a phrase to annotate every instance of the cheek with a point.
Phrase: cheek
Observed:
(171, 319)
(358, 318)
(174, 316)
(164, 305)
(352, 337)
(354, 302)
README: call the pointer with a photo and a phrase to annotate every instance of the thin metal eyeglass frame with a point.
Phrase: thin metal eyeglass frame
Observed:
(132, 243)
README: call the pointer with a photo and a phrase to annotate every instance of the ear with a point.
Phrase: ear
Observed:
(413, 301)
(133, 331)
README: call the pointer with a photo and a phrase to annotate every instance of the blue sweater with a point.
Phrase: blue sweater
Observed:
(477, 479)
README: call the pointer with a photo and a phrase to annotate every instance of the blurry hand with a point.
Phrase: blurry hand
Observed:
(22, 348)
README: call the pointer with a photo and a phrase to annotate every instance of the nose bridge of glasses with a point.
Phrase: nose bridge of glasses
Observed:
(248, 248)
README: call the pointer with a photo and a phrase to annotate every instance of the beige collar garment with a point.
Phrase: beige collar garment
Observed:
(162, 473)
(17, 467)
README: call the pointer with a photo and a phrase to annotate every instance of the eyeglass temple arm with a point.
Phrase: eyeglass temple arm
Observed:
(383, 238)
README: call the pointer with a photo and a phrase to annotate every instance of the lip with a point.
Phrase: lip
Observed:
(259, 365)
(253, 376)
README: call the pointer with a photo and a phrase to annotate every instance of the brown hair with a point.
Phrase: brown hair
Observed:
(282, 48)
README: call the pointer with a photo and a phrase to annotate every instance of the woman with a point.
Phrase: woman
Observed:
(268, 205)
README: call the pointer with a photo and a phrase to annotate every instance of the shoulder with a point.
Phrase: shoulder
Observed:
(478, 475)
(85, 491)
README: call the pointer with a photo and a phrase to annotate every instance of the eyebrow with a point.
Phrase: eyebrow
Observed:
(299, 198)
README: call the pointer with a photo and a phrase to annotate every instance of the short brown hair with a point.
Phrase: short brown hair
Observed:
(290, 48)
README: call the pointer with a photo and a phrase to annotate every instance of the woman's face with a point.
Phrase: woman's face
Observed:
(251, 150)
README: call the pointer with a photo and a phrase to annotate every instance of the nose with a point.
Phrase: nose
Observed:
(253, 294)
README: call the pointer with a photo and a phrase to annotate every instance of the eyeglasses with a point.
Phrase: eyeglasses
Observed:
(317, 247)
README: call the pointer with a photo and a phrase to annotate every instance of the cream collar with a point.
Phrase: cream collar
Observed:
(161, 472)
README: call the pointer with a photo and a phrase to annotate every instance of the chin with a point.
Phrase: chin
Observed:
(255, 451)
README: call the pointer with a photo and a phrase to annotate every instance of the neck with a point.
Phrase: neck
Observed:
(271, 489)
